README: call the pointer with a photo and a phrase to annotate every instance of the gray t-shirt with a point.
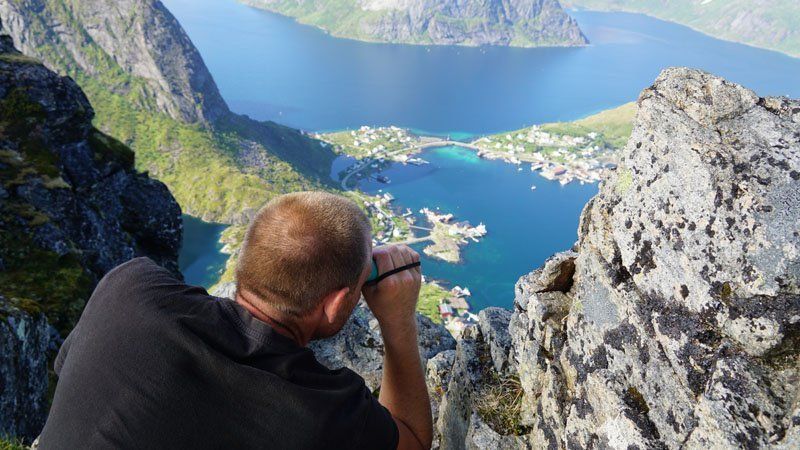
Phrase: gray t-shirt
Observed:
(154, 363)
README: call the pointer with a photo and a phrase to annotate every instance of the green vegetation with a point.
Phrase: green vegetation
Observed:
(608, 130)
(365, 141)
(378, 22)
(198, 164)
(111, 151)
(498, 401)
(771, 24)
(202, 165)
(36, 280)
(430, 295)
(232, 237)
(10, 443)
(614, 125)
(342, 18)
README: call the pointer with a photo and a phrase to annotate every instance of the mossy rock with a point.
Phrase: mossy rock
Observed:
(111, 151)
(43, 281)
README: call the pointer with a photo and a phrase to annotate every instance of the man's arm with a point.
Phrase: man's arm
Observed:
(403, 389)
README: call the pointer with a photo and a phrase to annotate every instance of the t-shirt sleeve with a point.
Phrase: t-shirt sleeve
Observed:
(62, 354)
(380, 430)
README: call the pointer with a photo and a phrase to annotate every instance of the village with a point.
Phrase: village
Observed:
(449, 236)
(378, 143)
(558, 157)
(454, 311)
(446, 235)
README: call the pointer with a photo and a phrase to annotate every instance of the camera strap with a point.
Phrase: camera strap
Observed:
(393, 271)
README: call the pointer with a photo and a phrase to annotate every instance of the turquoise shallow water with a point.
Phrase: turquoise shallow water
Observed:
(270, 67)
(524, 226)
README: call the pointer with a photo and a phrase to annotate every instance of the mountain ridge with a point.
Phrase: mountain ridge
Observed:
(770, 24)
(170, 114)
(518, 23)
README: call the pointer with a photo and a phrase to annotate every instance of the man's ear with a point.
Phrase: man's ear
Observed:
(335, 304)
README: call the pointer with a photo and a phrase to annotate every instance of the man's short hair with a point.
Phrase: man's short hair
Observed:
(301, 247)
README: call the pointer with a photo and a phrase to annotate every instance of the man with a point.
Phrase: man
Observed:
(154, 363)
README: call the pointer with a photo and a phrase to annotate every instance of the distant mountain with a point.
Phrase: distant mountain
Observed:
(771, 24)
(517, 23)
(151, 89)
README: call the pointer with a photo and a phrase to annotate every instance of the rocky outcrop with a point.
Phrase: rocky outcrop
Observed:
(146, 41)
(521, 23)
(26, 342)
(675, 322)
(359, 345)
(71, 208)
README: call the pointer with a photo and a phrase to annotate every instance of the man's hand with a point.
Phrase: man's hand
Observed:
(394, 299)
(394, 303)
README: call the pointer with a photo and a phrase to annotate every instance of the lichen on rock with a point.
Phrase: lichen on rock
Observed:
(680, 328)
(675, 320)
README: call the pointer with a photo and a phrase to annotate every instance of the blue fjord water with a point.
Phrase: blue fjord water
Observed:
(270, 67)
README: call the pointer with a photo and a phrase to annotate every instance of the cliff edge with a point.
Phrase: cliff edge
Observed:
(675, 321)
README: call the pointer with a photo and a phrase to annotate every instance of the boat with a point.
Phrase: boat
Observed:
(533, 187)
(383, 179)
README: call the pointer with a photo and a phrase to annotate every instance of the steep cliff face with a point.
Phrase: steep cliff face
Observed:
(71, 208)
(675, 321)
(520, 23)
(144, 38)
(152, 91)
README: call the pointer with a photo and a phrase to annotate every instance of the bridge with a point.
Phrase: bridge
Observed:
(431, 144)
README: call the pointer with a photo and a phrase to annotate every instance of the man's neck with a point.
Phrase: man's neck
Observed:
(281, 322)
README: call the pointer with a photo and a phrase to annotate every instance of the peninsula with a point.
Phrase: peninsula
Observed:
(565, 151)
(523, 23)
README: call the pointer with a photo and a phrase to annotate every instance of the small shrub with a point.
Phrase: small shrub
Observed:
(499, 403)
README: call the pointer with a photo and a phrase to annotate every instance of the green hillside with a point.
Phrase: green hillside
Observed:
(217, 171)
(771, 24)
(527, 23)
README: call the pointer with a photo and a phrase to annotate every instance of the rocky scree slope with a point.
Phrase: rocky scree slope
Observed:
(72, 207)
(519, 23)
(675, 320)
(152, 91)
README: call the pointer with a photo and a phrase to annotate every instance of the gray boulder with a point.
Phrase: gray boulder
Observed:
(494, 328)
(359, 345)
(26, 343)
(679, 327)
